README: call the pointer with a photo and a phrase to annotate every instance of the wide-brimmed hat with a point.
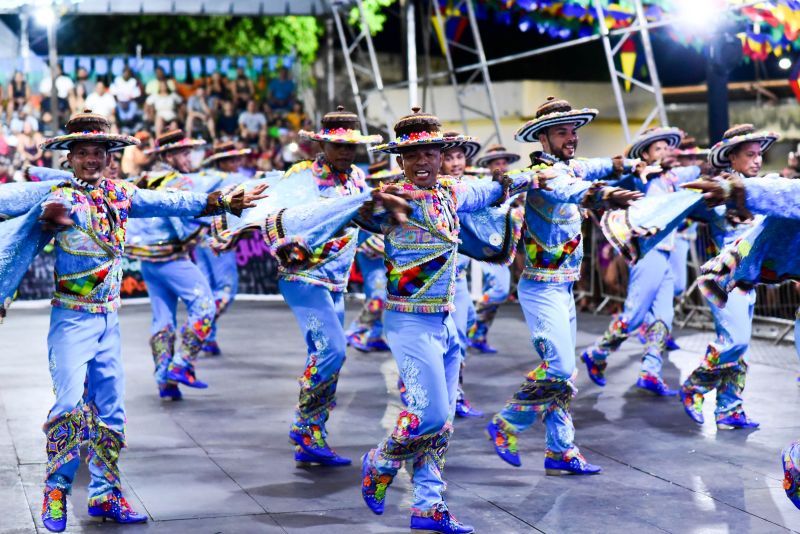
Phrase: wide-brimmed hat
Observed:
(223, 151)
(688, 147)
(419, 129)
(495, 152)
(343, 127)
(470, 147)
(381, 171)
(173, 140)
(672, 136)
(735, 136)
(553, 112)
(88, 127)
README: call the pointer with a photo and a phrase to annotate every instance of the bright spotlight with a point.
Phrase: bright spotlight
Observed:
(785, 63)
(699, 17)
(44, 15)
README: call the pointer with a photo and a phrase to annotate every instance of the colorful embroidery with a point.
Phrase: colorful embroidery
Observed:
(82, 286)
(540, 257)
(63, 439)
(408, 282)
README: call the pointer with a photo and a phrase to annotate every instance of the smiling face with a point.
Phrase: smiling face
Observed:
(230, 164)
(421, 164)
(88, 160)
(340, 155)
(454, 162)
(560, 140)
(180, 159)
(747, 159)
(656, 152)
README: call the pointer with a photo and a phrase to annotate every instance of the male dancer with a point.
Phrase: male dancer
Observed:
(164, 246)
(651, 287)
(724, 366)
(554, 252)
(220, 268)
(421, 257)
(88, 215)
(315, 292)
(496, 278)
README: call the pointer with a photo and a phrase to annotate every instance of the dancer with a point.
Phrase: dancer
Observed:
(496, 278)
(88, 215)
(652, 286)
(220, 268)
(164, 246)
(724, 366)
(366, 331)
(315, 292)
(418, 321)
(554, 252)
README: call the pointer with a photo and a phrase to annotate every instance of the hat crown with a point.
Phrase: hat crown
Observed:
(86, 121)
(737, 130)
(340, 118)
(170, 137)
(495, 148)
(553, 105)
(417, 122)
(224, 146)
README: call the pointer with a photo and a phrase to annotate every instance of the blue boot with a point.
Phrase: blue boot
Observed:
(362, 343)
(735, 421)
(115, 509)
(465, 409)
(211, 348)
(54, 507)
(556, 464)
(441, 521)
(505, 443)
(170, 391)
(310, 443)
(692, 404)
(655, 385)
(481, 346)
(373, 485)
(304, 459)
(184, 375)
(671, 344)
(595, 368)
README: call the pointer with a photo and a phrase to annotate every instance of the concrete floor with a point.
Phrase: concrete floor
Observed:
(220, 462)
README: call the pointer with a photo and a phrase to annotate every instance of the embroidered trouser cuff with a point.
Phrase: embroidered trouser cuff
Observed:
(162, 345)
(104, 449)
(63, 444)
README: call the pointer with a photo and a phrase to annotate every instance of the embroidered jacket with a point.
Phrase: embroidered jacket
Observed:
(330, 263)
(552, 237)
(772, 195)
(88, 267)
(421, 255)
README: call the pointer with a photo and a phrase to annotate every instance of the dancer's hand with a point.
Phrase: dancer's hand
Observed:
(543, 177)
(55, 217)
(716, 191)
(620, 198)
(393, 199)
(240, 199)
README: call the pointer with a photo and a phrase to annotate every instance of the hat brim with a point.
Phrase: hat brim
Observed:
(488, 158)
(226, 155)
(672, 136)
(179, 145)
(529, 132)
(470, 148)
(354, 137)
(113, 142)
(444, 143)
(719, 156)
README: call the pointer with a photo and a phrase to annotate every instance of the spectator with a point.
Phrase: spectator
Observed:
(153, 87)
(81, 91)
(19, 92)
(128, 119)
(28, 149)
(243, 90)
(112, 170)
(165, 104)
(22, 117)
(6, 171)
(198, 110)
(102, 101)
(252, 124)
(296, 117)
(218, 91)
(126, 87)
(281, 91)
(64, 88)
(228, 121)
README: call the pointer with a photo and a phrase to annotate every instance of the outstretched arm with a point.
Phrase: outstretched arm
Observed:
(148, 203)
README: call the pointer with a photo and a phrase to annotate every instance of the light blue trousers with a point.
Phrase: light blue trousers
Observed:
(428, 355)
(373, 270)
(549, 310)
(222, 274)
(496, 283)
(84, 348)
(320, 316)
(168, 282)
(678, 260)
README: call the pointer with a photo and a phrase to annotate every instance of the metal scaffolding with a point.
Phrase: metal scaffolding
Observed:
(361, 64)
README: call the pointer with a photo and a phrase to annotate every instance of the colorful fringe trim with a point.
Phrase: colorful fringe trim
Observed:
(63, 439)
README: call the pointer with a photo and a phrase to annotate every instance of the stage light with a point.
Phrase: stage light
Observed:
(525, 24)
(44, 15)
(785, 63)
(699, 17)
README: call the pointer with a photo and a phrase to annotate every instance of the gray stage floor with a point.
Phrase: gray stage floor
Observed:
(220, 462)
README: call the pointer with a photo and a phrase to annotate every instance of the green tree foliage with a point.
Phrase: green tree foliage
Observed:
(373, 12)
(195, 35)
